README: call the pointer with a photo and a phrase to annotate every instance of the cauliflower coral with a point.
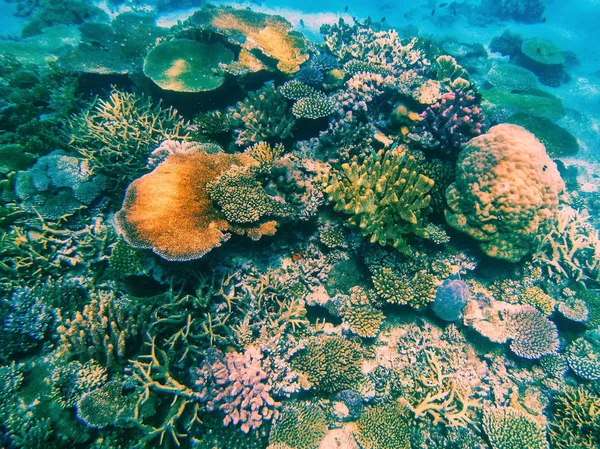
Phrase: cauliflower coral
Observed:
(506, 192)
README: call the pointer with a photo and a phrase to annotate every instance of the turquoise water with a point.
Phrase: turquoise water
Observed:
(300, 225)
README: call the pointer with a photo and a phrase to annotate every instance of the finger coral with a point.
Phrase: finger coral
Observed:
(386, 196)
(506, 192)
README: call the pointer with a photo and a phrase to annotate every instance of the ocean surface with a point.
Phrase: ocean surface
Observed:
(300, 225)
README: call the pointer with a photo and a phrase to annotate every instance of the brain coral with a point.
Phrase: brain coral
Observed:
(506, 192)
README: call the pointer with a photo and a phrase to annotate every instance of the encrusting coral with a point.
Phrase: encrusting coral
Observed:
(506, 192)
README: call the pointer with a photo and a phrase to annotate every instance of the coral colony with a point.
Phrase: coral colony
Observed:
(246, 240)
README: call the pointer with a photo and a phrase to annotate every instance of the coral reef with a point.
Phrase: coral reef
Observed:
(506, 192)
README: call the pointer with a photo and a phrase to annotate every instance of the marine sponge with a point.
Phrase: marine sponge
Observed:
(301, 426)
(506, 192)
(384, 427)
(450, 299)
(386, 195)
(508, 428)
(330, 364)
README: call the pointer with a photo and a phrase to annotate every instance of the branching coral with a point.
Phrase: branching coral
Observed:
(416, 291)
(506, 192)
(571, 248)
(386, 196)
(236, 384)
(508, 428)
(117, 134)
(575, 420)
(264, 115)
(330, 364)
(299, 426)
(583, 356)
(384, 427)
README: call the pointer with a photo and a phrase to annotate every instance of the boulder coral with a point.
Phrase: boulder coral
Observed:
(506, 192)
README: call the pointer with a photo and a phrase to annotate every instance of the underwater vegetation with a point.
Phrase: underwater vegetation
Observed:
(222, 235)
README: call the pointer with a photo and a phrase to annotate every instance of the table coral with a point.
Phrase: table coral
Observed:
(506, 192)
(169, 211)
(583, 356)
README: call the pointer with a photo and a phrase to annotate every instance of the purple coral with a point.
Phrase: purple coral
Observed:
(236, 384)
(453, 120)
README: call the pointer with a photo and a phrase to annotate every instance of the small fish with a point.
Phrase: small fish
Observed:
(301, 23)
(442, 5)
(454, 12)
(432, 12)
(382, 19)
(346, 8)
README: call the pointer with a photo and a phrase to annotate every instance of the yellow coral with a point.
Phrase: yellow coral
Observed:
(506, 192)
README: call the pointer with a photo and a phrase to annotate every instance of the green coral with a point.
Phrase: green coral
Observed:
(386, 195)
(184, 65)
(508, 428)
(105, 406)
(558, 141)
(512, 78)
(384, 427)
(118, 134)
(330, 364)
(536, 297)
(299, 426)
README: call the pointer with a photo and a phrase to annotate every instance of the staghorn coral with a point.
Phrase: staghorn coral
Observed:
(236, 384)
(509, 428)
(506, 192)
(108, 329)
(386, 196)
(300, 426)
(330, 364)
(575, 419)
(117, 135)
(264, 115)
(384, 427)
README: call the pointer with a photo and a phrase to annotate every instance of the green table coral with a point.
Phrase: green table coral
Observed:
(386, 195)
(506, 192)
(184, 65)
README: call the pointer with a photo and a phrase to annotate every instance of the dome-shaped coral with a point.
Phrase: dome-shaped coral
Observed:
(506, 192)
